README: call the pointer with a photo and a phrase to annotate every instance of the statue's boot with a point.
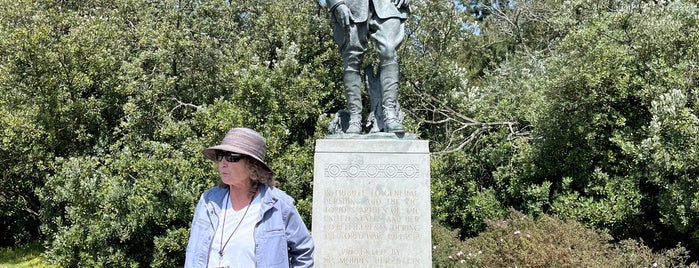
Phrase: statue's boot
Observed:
(388, 76)
(353, 92)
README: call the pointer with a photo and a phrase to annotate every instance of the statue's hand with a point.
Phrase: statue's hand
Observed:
(401, 3)
(343, 14)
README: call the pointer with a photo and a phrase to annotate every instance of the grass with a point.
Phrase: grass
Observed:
(25, 256)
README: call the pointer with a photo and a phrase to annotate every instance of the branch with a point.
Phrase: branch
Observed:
(182, 104)
(460, 122)
(463, 144)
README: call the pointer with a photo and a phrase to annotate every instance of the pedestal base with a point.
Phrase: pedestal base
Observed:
(371, 203)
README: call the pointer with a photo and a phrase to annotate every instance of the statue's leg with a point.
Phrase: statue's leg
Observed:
(353, 43)
(388, 36)
(389, 93)
(353, 93)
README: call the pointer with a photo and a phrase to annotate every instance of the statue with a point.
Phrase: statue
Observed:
(353, 22)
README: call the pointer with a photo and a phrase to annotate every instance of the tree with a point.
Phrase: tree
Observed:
(187, 73)
(613, 81)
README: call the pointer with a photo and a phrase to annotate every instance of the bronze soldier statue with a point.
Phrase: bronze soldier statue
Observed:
(353, 22)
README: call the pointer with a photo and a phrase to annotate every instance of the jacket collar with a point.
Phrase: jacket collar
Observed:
(268, 197)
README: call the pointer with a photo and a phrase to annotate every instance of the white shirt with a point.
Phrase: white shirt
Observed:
(239, 252)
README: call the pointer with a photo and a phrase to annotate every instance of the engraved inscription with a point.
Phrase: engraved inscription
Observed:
(350, 258)
(373, 216)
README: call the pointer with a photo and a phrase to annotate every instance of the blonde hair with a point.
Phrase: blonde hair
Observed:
(258, 172)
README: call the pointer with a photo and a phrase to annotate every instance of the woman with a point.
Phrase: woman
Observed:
(245, 221)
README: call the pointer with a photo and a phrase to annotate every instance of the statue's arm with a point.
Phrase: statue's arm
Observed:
(340, 10)
(333, 4)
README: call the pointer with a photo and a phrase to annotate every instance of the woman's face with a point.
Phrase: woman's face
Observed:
(233, 170)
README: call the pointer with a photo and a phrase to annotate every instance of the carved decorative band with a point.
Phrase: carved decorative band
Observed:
(371, 171)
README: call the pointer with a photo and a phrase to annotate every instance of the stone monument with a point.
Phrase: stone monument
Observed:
(371, 202)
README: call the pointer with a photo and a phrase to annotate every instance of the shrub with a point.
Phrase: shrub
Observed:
(131, 208)
(523, 241)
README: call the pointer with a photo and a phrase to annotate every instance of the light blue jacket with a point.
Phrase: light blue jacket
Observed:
(281, 237)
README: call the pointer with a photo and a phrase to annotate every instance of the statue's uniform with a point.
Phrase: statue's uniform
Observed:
(383, 22)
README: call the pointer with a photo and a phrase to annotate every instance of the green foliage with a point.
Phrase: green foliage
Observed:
(28, 255)
(160, 83)
(608, 81)
(583, 109)
(467, 199)
(603, 98)
(522, 241)
(120, 208)
(672, 149)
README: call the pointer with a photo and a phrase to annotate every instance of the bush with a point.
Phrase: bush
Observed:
(523, 241)
(125, 209)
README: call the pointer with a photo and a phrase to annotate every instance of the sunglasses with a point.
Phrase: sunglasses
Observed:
(230, 157)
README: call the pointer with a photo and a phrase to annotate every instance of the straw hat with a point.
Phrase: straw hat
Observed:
(243, 141)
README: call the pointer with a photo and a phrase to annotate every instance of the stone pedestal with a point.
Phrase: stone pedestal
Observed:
(371, 203)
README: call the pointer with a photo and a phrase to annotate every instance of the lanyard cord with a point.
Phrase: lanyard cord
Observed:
(225, 212)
